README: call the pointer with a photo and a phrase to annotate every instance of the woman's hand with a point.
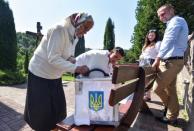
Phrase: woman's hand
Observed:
(71, 59)
(82, 69)
(156, 63)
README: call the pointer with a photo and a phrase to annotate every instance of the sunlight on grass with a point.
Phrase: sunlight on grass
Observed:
(68, 77)
(182, 113)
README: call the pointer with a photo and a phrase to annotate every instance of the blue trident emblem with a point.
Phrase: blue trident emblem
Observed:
(96, 100)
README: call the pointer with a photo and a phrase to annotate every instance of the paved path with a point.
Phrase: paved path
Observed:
(12, 101)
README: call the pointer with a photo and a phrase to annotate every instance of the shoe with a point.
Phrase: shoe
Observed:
(165, 120)
(147, 99)
(165, 111)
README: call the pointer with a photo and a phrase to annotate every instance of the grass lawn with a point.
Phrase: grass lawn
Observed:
(68, 77)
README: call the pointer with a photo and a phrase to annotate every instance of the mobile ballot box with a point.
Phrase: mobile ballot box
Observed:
(92, 102)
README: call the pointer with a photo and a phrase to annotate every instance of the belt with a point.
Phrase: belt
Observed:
(173, 58)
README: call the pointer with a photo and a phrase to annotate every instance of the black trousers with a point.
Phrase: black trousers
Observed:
(45, 103)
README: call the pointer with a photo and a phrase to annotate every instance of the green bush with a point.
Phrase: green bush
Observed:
(20, 63)
(10, 78)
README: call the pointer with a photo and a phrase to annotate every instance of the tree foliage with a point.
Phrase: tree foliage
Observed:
(26, 46)
(80, 47)
(8, 45)
(146, 16)
(109, 35)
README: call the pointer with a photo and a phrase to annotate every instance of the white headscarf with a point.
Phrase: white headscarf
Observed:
(79, 18)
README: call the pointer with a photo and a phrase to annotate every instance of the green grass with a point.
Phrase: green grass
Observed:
(68, 77)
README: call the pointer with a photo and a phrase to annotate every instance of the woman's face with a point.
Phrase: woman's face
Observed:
(83, 28)
(151, 36)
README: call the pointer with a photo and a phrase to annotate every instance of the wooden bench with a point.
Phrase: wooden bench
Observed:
(128, 79)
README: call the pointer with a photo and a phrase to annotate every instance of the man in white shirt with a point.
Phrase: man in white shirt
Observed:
(170, 60)
(101, 59)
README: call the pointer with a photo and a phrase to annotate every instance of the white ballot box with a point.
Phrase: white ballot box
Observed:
(92, 102)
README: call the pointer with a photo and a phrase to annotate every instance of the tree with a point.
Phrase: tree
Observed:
(146, 15)
(26, 46)
(80, 47)
(109, 35)
(8, 45)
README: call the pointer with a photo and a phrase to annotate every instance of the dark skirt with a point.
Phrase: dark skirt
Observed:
(45, 103)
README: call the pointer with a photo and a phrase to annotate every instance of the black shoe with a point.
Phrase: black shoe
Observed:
(165, 120)
(165, 111)
(147, 99)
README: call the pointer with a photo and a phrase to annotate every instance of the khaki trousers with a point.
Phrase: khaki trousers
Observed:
(165, 86)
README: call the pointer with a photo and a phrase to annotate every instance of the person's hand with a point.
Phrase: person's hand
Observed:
(156, 63)
(71, 59)
(81, 69)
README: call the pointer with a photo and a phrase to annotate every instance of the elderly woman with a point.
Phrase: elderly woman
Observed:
(45, 100)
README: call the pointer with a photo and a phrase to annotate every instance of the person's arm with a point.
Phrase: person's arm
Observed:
(190, 37)
(156, 63)
(192, 55)
(72, 59)
(170, 36)
(55, 49)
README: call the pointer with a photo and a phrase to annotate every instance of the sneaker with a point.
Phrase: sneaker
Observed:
(147, 99)
(165, 120)
(165, 111)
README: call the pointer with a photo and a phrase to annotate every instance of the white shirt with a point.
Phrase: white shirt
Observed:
(50, 58)
(95, 59)
(151, 52)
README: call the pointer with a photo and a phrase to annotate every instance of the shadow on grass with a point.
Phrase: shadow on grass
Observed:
(149, 122)
(19, 86)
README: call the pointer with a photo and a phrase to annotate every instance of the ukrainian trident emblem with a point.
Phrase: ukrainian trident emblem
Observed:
(96, 100)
